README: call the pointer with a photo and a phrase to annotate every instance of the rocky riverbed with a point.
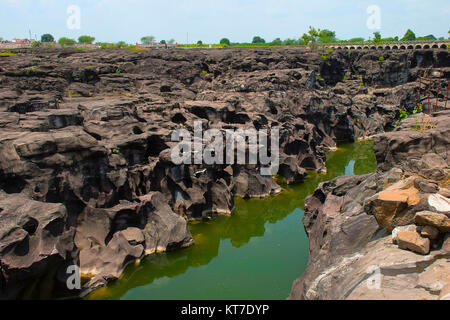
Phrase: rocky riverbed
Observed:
(86, 176)
(385, 235)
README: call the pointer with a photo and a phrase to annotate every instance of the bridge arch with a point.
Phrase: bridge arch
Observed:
(389, 46)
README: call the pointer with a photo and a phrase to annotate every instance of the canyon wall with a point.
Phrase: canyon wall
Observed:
(86, 176)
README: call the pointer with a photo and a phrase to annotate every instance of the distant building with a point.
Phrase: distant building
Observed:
(24, 41)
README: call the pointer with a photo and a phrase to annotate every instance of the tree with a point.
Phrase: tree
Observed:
(171, 41)
(356, 40)
(66, 41)
(377, 37)
(86, 39)
(257, 39)
(390, 39)
(311, 36)
(199, 42)
(148, 39)
(428, 37)
(290, 42)
(225, 41)
(326, 36)
(162, 42)
(409, 36)
(277, 42)
(47, 38)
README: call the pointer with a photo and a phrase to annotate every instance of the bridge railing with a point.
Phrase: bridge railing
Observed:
(343, 44)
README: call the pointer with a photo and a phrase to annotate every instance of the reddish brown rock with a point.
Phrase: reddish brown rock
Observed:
(430, 232)
(413, 241)
(390, 206)
(437, 220)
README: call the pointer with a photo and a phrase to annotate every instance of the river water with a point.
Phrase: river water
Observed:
(254, 254)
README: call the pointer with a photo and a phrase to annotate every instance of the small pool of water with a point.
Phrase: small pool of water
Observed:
(256, 253)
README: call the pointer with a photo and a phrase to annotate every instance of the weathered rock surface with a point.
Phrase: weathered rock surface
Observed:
(34, 236)
(438, 220)
(414, 242)
(90, 132)
(392, 213)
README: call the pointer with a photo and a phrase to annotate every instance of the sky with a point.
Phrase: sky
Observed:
(211, 20)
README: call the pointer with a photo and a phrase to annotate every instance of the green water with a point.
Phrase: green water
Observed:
(254, 254)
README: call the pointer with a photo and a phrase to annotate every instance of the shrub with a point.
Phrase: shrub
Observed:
(86, 39)
(225, 41)
(258, 39)
(47, 38)
(277, 42)
(66, 41)
(148, 39)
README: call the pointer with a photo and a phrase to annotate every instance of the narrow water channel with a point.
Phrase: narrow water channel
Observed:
(254, 254)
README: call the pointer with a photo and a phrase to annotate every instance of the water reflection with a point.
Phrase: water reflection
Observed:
(254, 254)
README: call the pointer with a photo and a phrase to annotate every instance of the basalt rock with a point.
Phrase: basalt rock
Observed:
(90, 132)
(36, 246)
(349, 221)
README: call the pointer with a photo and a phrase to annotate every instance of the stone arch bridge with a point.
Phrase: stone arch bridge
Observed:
(413, 45)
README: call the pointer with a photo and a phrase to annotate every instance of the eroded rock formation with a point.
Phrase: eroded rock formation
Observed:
(85, 141)
(384, 235)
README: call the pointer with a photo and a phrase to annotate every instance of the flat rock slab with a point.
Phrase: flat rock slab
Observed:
(439, 203)
(436, 276)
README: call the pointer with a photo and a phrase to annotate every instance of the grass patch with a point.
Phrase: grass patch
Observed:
(8, 53)
(405, 114)
(134, 49)
(320, 80)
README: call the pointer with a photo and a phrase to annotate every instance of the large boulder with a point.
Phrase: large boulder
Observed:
(395, 205)
(36, 247)
(110, 239)
(413, 241)
(437, 220)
